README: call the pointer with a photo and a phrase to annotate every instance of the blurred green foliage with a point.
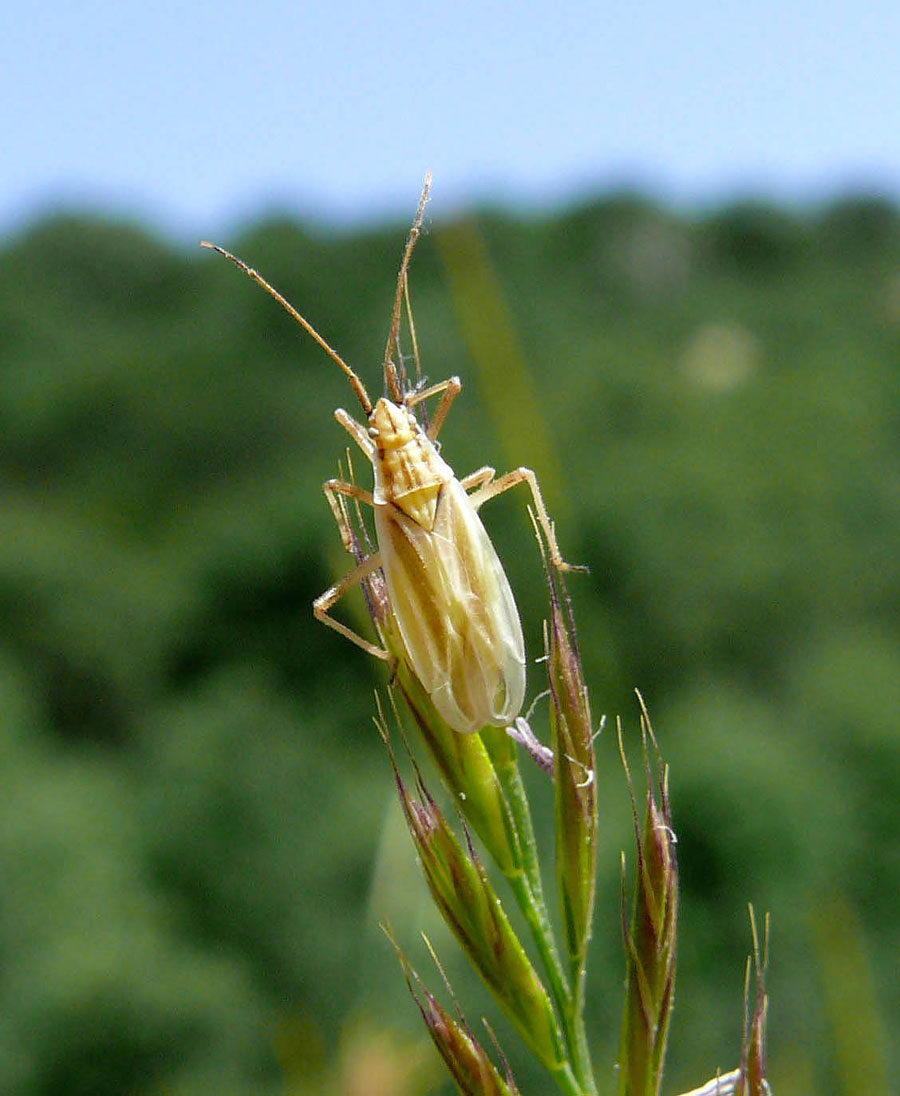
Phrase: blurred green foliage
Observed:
(194, 795)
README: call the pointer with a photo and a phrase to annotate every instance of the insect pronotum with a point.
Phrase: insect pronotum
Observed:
(449, 597)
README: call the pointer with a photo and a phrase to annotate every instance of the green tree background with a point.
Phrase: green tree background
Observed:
(196, 832)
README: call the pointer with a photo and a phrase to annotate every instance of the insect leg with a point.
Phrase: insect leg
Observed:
(542, 755)
(334, 594)
(356, 431)
(490, 488)
(450, 388)
(478, 478)
(336, 491)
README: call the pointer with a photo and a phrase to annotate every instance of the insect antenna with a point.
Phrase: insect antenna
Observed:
(412, 336)
(355, 383)
(391, 377)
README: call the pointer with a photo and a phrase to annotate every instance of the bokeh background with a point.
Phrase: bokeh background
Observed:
(664, 255)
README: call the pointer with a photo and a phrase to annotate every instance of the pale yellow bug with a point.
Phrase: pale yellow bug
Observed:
(449, 598)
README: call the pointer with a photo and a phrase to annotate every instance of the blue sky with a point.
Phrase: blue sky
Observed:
(197, 116)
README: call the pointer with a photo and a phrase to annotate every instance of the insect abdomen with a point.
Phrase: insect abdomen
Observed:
(455, 611)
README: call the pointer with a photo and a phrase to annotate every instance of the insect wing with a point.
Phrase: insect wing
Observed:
(455, 611)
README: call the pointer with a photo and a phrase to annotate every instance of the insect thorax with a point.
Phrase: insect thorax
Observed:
(409, 471)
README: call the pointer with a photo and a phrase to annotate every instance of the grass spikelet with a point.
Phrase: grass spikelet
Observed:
(650, 937)
(468, 1063)
(466, 899)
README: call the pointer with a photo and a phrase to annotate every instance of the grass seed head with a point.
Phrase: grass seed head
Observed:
(650, 938)
(465, 1058)
(575, 772)
(472, 909)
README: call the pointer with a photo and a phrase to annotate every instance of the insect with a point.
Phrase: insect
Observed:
(449, 598)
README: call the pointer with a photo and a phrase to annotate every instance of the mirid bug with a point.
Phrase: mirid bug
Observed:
(448, 594)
